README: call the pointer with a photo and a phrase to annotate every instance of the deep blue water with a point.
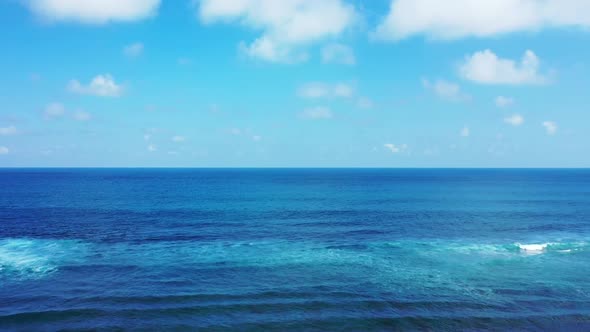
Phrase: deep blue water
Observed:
(323, 249)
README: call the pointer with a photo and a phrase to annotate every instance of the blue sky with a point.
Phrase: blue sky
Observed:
(295, 83)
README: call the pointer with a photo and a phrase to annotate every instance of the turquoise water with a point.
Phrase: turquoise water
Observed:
(295, 249)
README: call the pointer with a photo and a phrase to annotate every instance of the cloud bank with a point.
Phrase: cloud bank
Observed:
(101, 85)
(286, 26)
(455, 19)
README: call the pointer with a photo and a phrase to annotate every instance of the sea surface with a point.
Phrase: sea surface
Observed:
(295, 249)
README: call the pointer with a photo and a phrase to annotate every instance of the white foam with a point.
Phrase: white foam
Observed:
(533, 248)
(33, 258)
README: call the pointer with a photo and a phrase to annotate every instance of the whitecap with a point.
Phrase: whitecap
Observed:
(34, 258)
(533, 248)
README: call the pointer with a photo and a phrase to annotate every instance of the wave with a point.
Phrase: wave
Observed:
(548, 247)
(532, 248)
(357, 315)
(34, 258)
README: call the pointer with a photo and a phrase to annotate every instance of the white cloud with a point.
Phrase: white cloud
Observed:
(151, 108)
(515, 120)
(178, 139)
(314, 90)
(343, 90)
(316, 113)
(4, 150)
(320, 90)
(214, 108)
(364, 103)
(487, 68)
(54, 110)
(133, 50)
(465, 132)
(339, 54)
(269, 50)
(235, 131)
(82, 116)
(8, 131)
(446, 90)
(453, 19)
(245, 134)
(395, 148)
(93, 11)
(287, 26)
(502, 101)
(58, 110)
(152, 148)
(432, 152)
(101, 85)
(550, 127)
(184, 61)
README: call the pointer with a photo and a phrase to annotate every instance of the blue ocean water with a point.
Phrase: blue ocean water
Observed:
(294, 249)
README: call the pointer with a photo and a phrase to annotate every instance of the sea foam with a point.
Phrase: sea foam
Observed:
(558, 247)
(533, 248)
(34, 258)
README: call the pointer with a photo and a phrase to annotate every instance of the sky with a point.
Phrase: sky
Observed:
(295, 83)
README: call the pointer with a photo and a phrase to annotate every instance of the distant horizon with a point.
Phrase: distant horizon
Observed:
(304, 168)
(295, 165)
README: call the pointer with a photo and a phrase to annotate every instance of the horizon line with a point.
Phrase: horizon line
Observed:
(285, 167)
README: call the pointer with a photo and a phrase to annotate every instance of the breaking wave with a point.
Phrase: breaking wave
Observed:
(35, 258)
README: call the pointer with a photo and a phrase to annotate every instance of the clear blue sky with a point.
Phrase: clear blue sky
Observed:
(295, 83)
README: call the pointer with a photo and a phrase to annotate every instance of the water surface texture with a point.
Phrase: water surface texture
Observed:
(310, 249)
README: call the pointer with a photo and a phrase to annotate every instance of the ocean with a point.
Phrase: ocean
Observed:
(295, 249)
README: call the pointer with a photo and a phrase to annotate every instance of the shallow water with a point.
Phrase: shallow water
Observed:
(295, 249)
